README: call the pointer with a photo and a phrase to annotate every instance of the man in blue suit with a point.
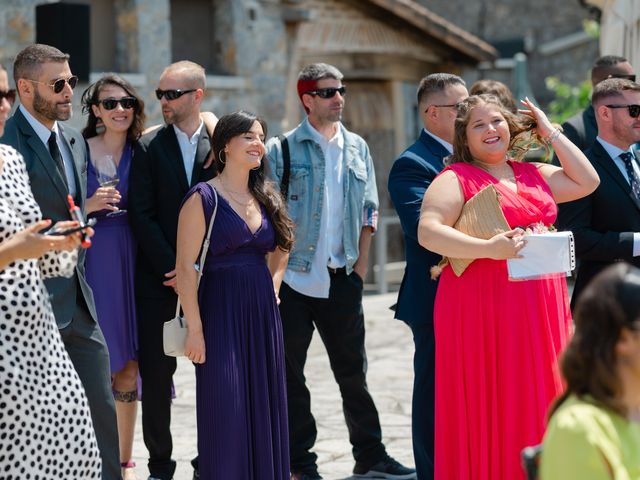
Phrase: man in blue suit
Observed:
(411, 175)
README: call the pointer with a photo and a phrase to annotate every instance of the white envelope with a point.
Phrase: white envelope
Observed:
(544, 254)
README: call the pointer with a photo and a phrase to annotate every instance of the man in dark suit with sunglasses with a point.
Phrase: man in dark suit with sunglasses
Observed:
(56, 159)
(606, 224)
(411, 174)
(333, 201)
(582, 129)
(174, 161)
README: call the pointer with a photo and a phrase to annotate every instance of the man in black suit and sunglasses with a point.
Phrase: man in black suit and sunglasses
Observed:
(56, 159)
(606, 224)
(582, 129)
(174, 161)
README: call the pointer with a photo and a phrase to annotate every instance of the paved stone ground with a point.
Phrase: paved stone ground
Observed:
(390, 351)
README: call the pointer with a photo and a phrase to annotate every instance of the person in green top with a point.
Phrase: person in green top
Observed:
(594, 427)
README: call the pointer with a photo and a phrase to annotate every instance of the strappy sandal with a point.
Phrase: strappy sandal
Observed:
(128, 470)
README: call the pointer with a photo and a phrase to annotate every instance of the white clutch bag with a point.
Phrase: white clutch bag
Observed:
(174, 332)
(545, 254)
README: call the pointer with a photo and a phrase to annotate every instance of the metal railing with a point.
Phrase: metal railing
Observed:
(381, 240)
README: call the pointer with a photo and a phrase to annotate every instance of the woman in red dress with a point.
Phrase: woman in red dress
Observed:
(497, 341)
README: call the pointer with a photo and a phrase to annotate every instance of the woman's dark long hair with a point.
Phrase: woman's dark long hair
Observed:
(520, 127)
(239, 123)
(91, 97)
(608, 305)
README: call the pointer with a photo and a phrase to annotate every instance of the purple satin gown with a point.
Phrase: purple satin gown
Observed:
(110, 264)
(240, 389)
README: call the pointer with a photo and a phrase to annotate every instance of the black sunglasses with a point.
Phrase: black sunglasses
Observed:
(58, 85)
(451, 105)
(328, 92)
(172, 94)
(126, 102)
(634, 110)
(10, 95)
(631, 76)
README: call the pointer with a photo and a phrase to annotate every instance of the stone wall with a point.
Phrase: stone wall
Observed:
(539, 22)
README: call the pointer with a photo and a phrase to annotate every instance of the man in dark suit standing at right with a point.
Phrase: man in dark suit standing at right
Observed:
(56, 160)
(582, 129)
(606, 224)
(410, 176)
(160, 179)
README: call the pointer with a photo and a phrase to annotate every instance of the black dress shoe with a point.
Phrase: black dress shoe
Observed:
(196, 470)
(388, 468)
(306, 476)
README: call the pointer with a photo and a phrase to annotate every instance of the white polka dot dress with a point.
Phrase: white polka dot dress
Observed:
(45, 424)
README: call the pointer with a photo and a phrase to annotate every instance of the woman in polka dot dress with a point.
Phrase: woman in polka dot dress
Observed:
(45, 424)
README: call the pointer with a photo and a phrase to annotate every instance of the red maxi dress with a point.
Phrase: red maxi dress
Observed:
(497, 346)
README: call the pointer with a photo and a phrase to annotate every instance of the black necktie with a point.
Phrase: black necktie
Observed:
(628, 158)
(57, 156)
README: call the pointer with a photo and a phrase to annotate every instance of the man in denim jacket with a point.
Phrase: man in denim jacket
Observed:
(333, 200)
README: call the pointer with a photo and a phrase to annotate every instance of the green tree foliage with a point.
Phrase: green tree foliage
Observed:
(569, 99)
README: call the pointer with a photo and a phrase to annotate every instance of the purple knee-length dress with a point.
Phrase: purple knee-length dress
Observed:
(240, 389)
(110, 264)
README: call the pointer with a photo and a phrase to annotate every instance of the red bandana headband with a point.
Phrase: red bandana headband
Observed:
(306, 86)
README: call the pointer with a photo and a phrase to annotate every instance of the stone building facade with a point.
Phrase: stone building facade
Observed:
(253, 49)
(550, 32)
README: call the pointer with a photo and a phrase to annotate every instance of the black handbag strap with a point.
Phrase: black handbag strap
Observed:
(286, 167)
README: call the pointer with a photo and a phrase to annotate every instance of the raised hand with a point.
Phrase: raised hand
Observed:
(543, 124)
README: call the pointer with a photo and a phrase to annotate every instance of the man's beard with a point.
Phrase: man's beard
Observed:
(48, 109)
(174, 117)
(168, 118)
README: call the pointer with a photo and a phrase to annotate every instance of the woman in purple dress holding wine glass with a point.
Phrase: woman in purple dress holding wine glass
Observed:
(116, 121)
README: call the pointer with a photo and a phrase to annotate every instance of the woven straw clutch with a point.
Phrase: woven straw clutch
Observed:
(481, 217)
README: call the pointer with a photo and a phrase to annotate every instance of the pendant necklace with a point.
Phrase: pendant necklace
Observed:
(246, 205)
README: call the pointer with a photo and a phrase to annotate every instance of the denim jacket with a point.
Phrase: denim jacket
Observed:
(306, 188)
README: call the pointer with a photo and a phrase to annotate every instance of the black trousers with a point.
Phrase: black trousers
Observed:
(156, 372)
(88, 351)
(423, 407)
(340, 323)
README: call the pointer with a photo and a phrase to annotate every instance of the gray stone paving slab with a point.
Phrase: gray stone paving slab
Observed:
(390, 378)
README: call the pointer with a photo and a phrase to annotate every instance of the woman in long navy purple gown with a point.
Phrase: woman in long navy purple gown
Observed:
(116, 120)
(234, 330)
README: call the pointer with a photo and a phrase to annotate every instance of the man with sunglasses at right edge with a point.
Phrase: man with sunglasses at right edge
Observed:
(606, 224)
(333, 201)
(174, 161)
(56, 160)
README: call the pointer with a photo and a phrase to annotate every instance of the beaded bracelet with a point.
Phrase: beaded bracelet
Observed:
(552, 136)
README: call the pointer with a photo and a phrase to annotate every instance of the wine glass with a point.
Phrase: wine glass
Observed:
(107, 175)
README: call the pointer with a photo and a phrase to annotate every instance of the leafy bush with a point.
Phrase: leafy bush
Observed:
(569, 99)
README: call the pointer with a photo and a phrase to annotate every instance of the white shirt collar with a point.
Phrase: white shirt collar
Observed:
(337, 139)
(613, 151)
(43, 132)
(442, 142)
(194, 137)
